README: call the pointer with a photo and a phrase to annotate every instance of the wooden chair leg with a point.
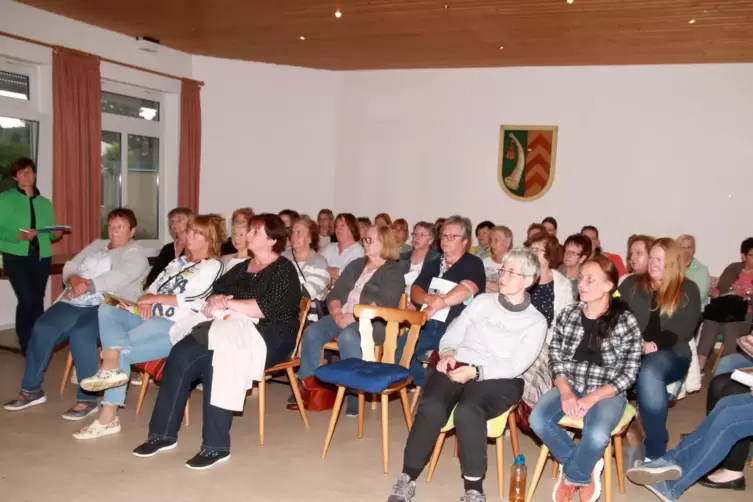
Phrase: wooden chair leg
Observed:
(620, 463)
(406, 408)
(386, 432)
(187, 412)
(456, 451)
(500, 464)
(374, 401)
(540, 464)
(435, 456)
(262, 409)
(142, 392)
(512, 424)
(333, 419)
(66, 373)
(298, 397)
(414, 401)
(555, 468)
(361, 408)
(608, 472)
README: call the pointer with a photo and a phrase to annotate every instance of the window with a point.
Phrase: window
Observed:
(19, 124)
(131, 167)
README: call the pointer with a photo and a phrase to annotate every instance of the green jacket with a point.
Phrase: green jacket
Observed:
(15, 215)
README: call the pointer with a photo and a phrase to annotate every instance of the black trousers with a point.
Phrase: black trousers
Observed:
(722, 386)
(476, 403)
(28, 277)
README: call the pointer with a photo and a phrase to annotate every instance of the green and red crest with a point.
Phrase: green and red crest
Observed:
(526, 160)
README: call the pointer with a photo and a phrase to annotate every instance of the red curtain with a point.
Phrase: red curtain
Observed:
(189, 170)
(77, 136)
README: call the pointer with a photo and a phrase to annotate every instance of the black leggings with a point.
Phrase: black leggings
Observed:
(722, 386)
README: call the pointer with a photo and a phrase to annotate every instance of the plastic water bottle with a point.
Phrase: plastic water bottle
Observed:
(518, 475)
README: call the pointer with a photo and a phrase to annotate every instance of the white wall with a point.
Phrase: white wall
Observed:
(269, 136)
(662, 150)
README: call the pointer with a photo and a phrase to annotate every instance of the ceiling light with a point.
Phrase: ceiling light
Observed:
(338, 14)
(501, 47)
(570, 1)
(303, 38)
(692, 21)
(446, 6)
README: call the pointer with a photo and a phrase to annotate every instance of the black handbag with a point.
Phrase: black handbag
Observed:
(727, 308)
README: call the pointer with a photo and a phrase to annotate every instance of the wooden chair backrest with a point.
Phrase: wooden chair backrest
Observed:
(304, 307)
(403, 303)
(394, 318)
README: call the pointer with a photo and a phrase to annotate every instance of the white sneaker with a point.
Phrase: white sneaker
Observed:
(103, 380)
(136, 379)
(98, 430)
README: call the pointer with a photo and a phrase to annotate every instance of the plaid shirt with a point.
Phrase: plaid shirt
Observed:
(620, 353)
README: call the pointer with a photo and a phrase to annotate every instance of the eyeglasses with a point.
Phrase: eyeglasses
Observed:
(450, 237)
(572, 254)
(116, 227)
(506, 271)
(537, 250)
(367, 240)
(687, 246)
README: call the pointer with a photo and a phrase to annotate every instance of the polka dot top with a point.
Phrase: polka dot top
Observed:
(276, 290)
(542, 297)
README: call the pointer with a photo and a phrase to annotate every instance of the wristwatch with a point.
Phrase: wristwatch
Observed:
(478, 372)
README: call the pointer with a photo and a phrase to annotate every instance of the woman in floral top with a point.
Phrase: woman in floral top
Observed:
(594, 357)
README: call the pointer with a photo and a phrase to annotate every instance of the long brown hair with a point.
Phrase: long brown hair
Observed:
(670, 290)
(212, 227)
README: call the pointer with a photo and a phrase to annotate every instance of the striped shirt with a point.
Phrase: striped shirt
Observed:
(312, 274)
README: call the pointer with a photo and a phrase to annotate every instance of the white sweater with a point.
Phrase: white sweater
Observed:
(503, 340)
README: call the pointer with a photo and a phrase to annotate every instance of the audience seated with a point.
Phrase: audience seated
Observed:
(736, 279)
(400, 227)
(287, 216)
(553, 291)
(239, 238)
(113, 266)
(533, 229)
(375, 279)
(443, 288)
(178, 219)
(694, 269)
(500, 242)
(637, 257)
(592, 233)
(483, 230)
(421, 251)
(382, 220)
(594, 356)
(240, 217)
(265, 293)
(671, 475)
(577, 251)
(364, 222)
(326, 221)
(482, 356)
(311, 266)
(140, 332)
(437, 233)
(550, 225)
(347, 247)
(668, 309)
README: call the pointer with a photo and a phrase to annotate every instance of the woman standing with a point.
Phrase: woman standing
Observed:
(26, 252)
(594, 358)
(500, 242)
(178, 219)
(668, 308)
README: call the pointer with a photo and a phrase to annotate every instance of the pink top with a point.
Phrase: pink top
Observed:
(355, 294)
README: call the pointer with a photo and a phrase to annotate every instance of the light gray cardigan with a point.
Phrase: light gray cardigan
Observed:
(129, 267)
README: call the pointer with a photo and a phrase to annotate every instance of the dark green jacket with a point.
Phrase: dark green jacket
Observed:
(15, 214)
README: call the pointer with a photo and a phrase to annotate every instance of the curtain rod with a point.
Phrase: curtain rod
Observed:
(106, 60)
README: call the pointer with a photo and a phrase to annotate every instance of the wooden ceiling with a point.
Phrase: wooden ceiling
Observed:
(380, 34)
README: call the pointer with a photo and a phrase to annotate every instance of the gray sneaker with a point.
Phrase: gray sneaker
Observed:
(404, 489)
(473, 496)
(89, 408)
(26, 400)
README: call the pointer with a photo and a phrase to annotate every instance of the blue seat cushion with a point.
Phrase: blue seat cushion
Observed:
(362, 375)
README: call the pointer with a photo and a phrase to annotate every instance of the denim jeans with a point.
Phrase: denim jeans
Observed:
(28, 277)
(321, 332)
(578, 460)
(733, 362)
(62, 322)
(189, 362)
(428, 340)
(658, 370)
(699, 453)
(139, 341)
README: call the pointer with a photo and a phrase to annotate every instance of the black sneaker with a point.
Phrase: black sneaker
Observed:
(26, 400)
(207, 458)
(152, 446)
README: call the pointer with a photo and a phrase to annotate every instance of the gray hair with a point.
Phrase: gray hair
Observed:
(685, 237)
(529, 263)
(506, 232)
(466, 228)
(429, 227)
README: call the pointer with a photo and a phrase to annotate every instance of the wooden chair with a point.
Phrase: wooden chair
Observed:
(495, 429)
(289, 367)
(394, 318)
(617, 434)
(69, 367)
(153, 370)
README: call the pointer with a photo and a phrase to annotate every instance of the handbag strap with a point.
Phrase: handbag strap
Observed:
(303, 289)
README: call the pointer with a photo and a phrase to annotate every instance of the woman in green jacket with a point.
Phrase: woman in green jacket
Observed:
(26, 252)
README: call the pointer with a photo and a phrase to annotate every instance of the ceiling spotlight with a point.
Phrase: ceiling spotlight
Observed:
(302, 38)
(446, 6)
(501, 47)
(570, 1)
(692, 21)
(338, 14)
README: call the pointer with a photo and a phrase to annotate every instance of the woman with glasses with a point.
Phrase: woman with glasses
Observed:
(376, 279)
(500, 242)
(421, 251)
(444, 287)
(140, 332)
(577, 249)
(482, 356)
(594, 357)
